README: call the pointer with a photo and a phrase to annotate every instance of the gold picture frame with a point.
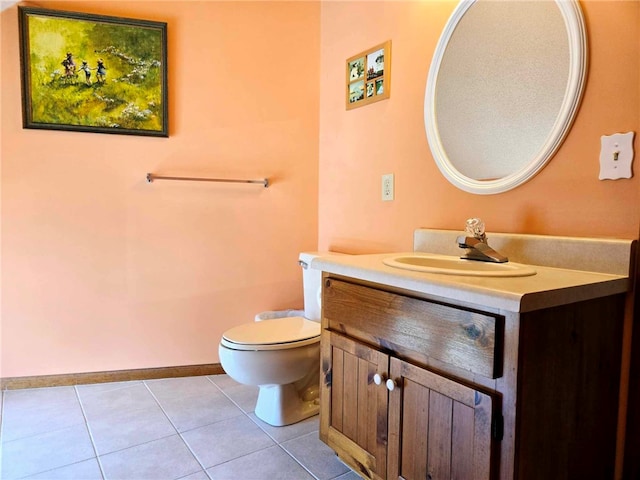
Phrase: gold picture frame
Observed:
(369, 76)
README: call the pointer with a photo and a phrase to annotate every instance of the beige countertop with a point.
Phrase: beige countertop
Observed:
(549, 287)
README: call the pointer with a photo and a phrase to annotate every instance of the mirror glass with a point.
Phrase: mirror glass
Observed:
(504, 86)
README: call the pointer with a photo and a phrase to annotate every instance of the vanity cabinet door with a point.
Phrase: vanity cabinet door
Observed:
(353, 417)
(438, 428)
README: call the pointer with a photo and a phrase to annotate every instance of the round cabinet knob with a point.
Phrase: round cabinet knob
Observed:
(391, 385)
(377, 379)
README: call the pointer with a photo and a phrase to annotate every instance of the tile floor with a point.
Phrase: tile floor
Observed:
(194, 428)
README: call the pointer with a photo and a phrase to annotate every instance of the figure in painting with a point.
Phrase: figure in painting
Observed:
(101, 73)
(69, 67)
(87, 72)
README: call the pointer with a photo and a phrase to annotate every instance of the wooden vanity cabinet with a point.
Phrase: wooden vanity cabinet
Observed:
(412, 388)
(390, 418)
(354, 408)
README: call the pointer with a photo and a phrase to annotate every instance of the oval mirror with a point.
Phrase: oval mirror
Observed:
(504, 86)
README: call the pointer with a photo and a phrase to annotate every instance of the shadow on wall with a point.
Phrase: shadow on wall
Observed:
(4, 5)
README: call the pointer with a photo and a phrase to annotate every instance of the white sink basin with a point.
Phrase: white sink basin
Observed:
(443, 264)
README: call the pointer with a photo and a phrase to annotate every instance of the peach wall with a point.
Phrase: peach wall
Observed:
(358, 146)
(103, 271)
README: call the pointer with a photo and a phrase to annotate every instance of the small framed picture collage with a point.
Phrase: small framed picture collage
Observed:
(369, 76)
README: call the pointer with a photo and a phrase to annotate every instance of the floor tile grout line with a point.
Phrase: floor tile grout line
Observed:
(115, 387)
(159, 403)
(75, 424)
(189, 474)
(146, 442)
(160, 406)
(298, 461)
(86, 421)
(80, 393)
(276, 441)
(304, 466)
(208, 377)
(139, 409)
(56, 468)
(95, 448)
(99, 456)
(243, 413)
(241, 456)
(31, 435)
(78, 396)
(223, 392)
(176, 429)
(284, 448)
(248, 414)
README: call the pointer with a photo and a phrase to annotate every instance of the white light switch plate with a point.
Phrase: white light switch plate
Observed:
(616, 156)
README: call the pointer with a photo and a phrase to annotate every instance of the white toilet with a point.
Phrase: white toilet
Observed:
(280, 355)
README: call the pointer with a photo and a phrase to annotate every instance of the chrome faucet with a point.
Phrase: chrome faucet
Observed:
(476, 243)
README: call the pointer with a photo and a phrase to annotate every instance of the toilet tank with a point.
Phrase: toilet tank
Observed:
(312, 282)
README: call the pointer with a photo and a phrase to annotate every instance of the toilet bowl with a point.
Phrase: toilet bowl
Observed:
(281, 356)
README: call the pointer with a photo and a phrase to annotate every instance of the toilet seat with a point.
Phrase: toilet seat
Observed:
(276, 334)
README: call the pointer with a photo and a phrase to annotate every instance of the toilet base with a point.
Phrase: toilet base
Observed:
(281, 405)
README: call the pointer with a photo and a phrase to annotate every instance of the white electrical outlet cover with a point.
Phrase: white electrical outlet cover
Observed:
(616, 156)
(387, 187)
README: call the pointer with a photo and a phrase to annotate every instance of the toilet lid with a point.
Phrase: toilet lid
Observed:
(276, 334)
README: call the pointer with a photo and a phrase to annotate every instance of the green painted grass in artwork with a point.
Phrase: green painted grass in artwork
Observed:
(126, 93)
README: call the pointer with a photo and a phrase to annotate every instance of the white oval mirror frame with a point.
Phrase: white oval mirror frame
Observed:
(569, 101)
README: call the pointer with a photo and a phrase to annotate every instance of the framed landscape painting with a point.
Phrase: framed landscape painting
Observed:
(93, 73)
